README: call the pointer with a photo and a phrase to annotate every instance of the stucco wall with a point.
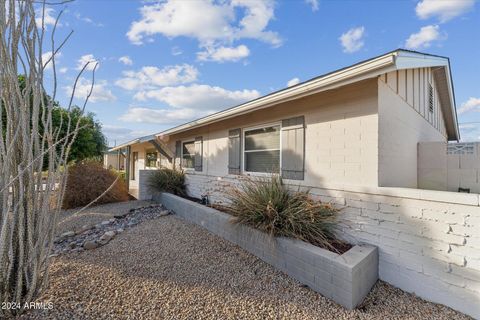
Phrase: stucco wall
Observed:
(450, 166)
(401, 128)
(341, 140)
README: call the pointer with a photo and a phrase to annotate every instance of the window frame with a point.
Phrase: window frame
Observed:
(181, 159)
(261, 126)
(156, 161)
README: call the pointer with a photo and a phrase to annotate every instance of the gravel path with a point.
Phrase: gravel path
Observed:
(170, 269)
(94, 215)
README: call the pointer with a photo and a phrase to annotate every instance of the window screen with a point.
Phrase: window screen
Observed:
(188, 154)
(262, 150)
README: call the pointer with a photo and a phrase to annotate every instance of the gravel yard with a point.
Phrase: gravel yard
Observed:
(170, 269)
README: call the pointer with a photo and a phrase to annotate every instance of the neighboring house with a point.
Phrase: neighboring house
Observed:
(357, 126)
(116, 159)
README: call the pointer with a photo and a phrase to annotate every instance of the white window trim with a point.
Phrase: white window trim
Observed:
(266, 125)
(181, 159)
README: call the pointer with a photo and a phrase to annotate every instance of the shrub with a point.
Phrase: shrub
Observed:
(168, 180)
(87, 180)
(268, 205)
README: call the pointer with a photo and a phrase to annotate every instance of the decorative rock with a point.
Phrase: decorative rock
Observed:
(88, 245)
(83, 229)
(92, 236)
(67, 234)
(120, 215)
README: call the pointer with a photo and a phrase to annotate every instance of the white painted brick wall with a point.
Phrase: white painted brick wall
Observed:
(429, 242)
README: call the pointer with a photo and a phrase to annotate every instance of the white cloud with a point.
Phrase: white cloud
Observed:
(176, 51)
(472, 104)
(88, 20)
(198, 97)
(125, 60)
(116, 134)
(222, 54)
(424, 37)
(49, 17)
(63, 70)
(46, 59)
(444, 10)
(293, 82)
(90, 59)
(352, 40)
(160, 116)
(206, 21)
(314, 4)
(150, 77)
(469, 132)
(100, 92)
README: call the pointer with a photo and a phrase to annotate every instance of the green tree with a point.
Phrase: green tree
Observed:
(90, 141)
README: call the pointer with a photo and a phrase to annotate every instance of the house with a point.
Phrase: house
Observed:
(363, 137)
(115, 159)
(357, 126)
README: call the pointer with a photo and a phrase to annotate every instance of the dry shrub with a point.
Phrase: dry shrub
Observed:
(88, 180)
(268, 205)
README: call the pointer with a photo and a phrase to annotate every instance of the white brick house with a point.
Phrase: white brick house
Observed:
(351, 137)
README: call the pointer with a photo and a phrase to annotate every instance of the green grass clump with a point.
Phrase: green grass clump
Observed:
(168, 180)
(268, 205)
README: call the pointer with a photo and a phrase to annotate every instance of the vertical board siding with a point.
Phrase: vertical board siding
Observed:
(412, 86)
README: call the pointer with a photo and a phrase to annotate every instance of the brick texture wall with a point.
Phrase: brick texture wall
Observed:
(428, 241)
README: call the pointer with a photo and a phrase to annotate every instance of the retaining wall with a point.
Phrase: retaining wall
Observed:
(428, 241)
(345, 278)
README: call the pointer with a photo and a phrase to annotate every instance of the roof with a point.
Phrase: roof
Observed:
(395, 60)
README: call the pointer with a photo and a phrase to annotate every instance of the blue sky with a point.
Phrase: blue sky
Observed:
(165, 63)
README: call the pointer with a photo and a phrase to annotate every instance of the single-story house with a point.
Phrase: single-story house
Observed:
(368, 138)
(356, 126)
(115, 159)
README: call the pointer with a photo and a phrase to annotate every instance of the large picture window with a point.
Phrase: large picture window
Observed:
(262, 149)
(188, 154)
(151, 158)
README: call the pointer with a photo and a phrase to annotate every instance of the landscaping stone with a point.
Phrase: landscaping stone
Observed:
(67, 234)
(89, 237)
(88, 245)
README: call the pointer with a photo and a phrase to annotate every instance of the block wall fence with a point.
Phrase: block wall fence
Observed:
(428, 241)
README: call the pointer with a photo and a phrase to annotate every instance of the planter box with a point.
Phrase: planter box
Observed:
(345, 278)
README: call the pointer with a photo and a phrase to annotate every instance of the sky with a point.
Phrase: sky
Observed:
(163, 63)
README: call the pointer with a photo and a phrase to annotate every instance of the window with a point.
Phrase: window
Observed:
(151, 158)
(188, 154)
(430, 97)
(262, 149)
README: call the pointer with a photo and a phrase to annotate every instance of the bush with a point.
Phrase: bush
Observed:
(88, 180)
(168, 180)
(268, 205)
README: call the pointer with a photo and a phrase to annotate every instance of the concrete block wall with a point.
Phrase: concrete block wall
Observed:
(144, 192)
(346, 278)
(428, 241)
